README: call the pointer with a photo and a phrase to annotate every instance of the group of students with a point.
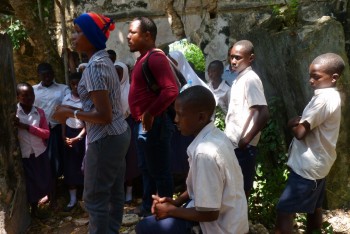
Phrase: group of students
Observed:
(49, 149)
(221, 164)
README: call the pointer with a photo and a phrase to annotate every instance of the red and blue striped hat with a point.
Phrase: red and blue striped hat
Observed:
(96, 28)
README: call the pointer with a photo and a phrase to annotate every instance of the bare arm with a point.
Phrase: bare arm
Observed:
(71, 141)
(167, 207)
(101, 114)
(183, 198)
(299, 130)
(262, 113)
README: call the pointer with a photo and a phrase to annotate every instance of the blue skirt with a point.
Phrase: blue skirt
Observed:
(73, 158)
(37, 172)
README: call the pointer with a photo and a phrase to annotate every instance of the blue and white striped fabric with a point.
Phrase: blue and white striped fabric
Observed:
(100, 74)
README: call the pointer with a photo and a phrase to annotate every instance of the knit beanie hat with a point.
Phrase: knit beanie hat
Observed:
(96, 28)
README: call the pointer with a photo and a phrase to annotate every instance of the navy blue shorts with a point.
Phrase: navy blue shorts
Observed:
(247, 160)
(301, 195)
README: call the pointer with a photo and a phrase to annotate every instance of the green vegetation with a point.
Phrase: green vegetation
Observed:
(272, 172)
(15, 30)
(192, 53)
(219, 121)
(289, 14)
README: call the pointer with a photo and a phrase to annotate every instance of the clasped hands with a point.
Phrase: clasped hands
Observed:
(162, 207)
(70, 141)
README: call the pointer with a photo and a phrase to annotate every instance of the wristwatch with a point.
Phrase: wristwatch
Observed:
(75, 114)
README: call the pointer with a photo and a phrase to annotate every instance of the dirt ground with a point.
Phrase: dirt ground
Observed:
(76, 221)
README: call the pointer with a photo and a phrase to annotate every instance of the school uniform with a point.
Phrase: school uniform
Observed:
(35, 159)
(73, 156)
(47, 98)
(222, 94)
(312, 157)
(246, 91)
(214, 183)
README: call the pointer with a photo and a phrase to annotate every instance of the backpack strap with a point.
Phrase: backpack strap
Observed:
(147, 73)
(152, 82)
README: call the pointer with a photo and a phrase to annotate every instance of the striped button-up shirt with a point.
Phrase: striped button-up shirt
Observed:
(100, 74)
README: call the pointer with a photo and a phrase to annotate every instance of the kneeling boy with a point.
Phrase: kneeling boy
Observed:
(215, 196)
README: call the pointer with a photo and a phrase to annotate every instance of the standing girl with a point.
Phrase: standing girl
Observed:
(33, 131)
(73, 132)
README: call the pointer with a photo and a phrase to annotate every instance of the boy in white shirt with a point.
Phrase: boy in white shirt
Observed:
(312, 151)
(248, 112)
(214, 197)
(220, 88)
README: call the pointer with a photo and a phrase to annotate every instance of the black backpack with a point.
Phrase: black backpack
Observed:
(152, 82)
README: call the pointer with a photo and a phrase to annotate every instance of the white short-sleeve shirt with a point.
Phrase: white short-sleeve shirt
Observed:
(221, 94)
(313, 156)
(246, 91)
(215, 182)
(47, 98)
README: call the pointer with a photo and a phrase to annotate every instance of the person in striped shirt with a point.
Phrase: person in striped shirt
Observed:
(108, 134)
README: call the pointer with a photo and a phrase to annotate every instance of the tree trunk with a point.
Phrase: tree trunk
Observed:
(14, 215)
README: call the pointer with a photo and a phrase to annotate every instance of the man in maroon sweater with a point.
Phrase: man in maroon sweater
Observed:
(154, 128)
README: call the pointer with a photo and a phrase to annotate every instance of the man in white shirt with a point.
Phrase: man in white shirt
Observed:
(48, 95)
(248, 112)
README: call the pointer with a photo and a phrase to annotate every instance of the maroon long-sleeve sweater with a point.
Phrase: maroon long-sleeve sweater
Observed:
(141, 98)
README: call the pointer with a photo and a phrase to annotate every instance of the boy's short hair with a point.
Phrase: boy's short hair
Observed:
(44, 67)
(112, 52)
(218, 64)
(200, 98)
(23, 84)
(75, 76)
(248, 46)
(333, 63)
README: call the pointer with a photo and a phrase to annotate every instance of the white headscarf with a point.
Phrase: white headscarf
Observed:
(124, 88)
(186, 69)
(81, 66)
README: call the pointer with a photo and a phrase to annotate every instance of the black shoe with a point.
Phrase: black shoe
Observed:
(128, 202)
(69, 207)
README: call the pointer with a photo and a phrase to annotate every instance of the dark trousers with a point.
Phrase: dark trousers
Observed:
(153, 153)
(247, 160)
(55, 151)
